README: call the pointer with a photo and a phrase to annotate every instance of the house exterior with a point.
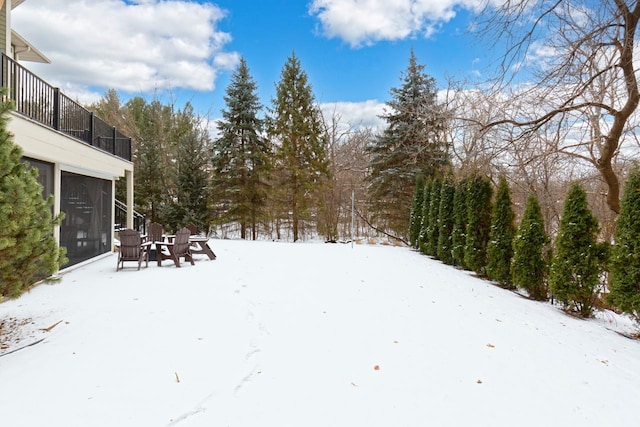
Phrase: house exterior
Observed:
(79, 156)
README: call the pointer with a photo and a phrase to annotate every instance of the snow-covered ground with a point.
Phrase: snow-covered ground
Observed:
(307, 334)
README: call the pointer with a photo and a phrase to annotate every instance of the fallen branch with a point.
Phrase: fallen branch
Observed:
(51, 327)
(400, 239)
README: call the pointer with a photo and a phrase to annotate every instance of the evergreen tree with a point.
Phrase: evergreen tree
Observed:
(431, 243)
(460, 218)
(624, 281)
(500, 249)
(424, 226)
(411, 144)
(478, 223)
(28, 251)
(575, 268)
(445, 232)
(416, 212)
(192, 180)
(528, 266)
(152, 156)
(296, 126)
(241, 155)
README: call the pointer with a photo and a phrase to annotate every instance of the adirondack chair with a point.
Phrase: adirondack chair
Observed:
(178, 248)
(132, 248)
(155, 233)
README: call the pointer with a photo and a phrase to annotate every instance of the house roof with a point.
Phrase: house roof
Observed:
(25, 51)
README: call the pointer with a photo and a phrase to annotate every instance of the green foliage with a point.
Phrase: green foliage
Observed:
(28, 251)
(499, 249)
(416, 212)
(528, 266)
(300, 154)
(189, 205)
(426, 204)
(577, 262)
(445, 237)
(431, 242)
(241, 157)
(460, 218)
(478, 223)
(624, 282)
(412, 144)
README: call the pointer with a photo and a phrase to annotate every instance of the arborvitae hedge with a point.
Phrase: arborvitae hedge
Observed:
(499, 249)
(426, 203)
(459, 232)
(624, 281)
(445, 242)
(577, 261)
(528, 266)
(478, 223)
(434, 211)
(416, 212)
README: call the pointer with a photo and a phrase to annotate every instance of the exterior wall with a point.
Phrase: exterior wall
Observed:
(68, 155)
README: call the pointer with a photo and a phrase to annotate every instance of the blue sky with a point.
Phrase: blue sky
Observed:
(179, 50)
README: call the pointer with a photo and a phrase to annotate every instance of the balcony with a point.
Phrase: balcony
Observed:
(38, 100)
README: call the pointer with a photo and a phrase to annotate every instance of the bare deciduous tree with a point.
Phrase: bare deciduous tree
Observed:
(579, 59)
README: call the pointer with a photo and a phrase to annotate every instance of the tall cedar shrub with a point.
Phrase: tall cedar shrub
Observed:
(478, 223)
(445, 237)
(412, 143)
(528, 266)
(424, 226)
(434, 217)
(28, 251)
(460, 217)
(499, 249)
(576, 265)
(624, 280)
(416, 212)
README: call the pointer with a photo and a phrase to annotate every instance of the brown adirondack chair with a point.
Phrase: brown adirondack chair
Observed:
(132, 248)
(178, 248)
(155, 233)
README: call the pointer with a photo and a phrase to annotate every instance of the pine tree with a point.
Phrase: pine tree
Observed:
(460, 218)
(28, 251)
(424, 226)
(416, 212)
(241, 155)
(445, 236)
(478, 223)
(624, 281)
(528, 266)
(296, 126)
(192, 180)
(500, 249)
(433, 219)
(411, 144)
(575, 268)
(153, 156)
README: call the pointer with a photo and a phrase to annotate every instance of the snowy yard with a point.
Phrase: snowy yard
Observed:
(307, 334)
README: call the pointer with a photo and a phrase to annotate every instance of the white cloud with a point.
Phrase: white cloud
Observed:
(132, 46)
(364, 22)
(356, 114)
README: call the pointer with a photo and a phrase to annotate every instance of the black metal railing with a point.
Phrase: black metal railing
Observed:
(139, 220)
(44, 103)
